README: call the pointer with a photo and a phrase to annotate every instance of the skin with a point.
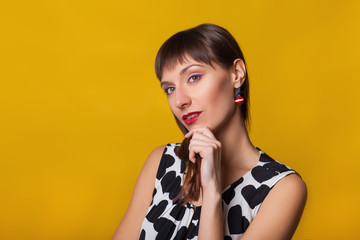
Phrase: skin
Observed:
(219, 136)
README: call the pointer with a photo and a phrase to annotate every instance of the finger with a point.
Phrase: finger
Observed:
(203, 148)
(188, 134)
(203, 130)
(197, 135)
(204, 143)
(205, 138)
(196, 146)
(194, 150)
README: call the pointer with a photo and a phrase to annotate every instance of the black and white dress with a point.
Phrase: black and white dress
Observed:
(241, 200)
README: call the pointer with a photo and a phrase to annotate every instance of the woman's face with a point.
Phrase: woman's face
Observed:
(200, 95)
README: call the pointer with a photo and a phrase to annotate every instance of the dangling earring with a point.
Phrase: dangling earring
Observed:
(239, 99)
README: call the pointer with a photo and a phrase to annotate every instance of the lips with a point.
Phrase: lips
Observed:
(191, 117)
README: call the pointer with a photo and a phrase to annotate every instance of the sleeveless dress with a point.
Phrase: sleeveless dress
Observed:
(240, 201)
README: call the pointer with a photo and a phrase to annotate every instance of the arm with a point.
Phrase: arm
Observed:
(204, 143)
(130, 225)
(211, 220)
(280, 212)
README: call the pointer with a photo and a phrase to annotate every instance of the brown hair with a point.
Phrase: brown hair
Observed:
(205, 43)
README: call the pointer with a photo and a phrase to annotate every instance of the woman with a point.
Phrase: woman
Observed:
(216, 185)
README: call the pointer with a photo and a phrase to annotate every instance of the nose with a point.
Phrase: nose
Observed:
(182, 98)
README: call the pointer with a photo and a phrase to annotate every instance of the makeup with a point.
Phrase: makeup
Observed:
(191, 117)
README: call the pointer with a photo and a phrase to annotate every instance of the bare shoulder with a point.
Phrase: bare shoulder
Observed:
(281, 210)
(149, 169)
(290, 192)
(130, 225)
(154, 157)
(292, 184)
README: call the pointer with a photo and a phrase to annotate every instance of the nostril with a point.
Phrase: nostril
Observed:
(181, 104)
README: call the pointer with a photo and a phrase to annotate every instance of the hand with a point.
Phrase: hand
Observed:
(204, 143)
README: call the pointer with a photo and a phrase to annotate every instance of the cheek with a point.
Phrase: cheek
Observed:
(222, 93)
(171, 105)
(175, 110)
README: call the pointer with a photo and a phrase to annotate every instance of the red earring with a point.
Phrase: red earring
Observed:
(239, 99)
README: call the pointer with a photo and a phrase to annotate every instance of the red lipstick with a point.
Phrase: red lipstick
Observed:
(191, 117)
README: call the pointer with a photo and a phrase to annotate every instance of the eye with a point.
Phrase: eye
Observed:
(194, 78)
(169, 90)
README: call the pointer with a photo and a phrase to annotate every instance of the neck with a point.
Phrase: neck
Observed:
(237, 150)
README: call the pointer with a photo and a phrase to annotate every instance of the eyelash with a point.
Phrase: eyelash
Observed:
(166, 90)
(195, 75)
(198, 76)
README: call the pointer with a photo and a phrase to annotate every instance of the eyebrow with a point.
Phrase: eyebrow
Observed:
(164, 83)
(182, 72)
(192, 65)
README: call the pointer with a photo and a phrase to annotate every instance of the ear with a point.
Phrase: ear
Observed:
(238, 72)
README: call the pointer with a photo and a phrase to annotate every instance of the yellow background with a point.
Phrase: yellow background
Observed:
(80, 107)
